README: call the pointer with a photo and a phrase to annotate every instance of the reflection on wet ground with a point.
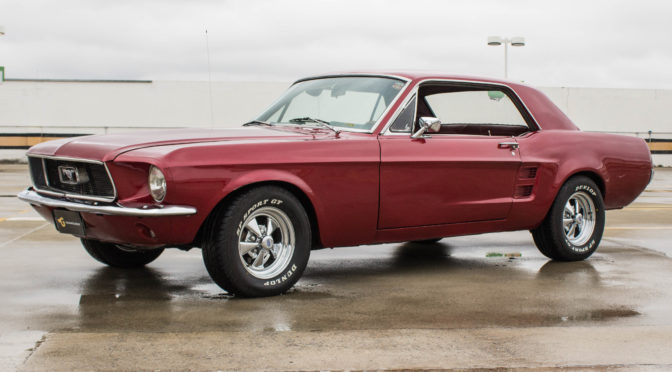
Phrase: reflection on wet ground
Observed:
(403, 286)
(49, 284)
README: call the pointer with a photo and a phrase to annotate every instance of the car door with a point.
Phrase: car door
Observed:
(465, 173)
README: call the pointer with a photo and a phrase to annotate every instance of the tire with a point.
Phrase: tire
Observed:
(427, 241)
(240, 255)
(573, 227)
(119, 256)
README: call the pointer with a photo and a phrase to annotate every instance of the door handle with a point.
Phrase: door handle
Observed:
(509, 145)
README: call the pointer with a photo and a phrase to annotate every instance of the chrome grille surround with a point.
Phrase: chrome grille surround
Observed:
(43, 176)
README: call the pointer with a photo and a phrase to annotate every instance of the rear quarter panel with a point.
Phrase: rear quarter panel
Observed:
(622, 165)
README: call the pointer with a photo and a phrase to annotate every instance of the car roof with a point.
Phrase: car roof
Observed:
(543, 111)
(413, 75)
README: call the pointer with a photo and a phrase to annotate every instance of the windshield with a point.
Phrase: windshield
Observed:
(343, 102)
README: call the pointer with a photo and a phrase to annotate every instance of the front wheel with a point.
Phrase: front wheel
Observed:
(427, 241)
(260, 245)
(573, 228)
(116, 255)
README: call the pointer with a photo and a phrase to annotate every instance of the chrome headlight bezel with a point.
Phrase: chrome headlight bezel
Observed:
(157, 184)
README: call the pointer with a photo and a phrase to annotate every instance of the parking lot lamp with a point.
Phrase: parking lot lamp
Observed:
(2, 68)
(514, 41)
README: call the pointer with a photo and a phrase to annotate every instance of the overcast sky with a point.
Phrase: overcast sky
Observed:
(569, 43)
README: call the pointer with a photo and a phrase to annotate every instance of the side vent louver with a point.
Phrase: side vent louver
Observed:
(525, 183)
(532, 172)
(527, 173)
(523, 191)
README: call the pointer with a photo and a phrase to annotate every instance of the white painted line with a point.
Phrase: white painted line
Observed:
(23, 235)
(23, 219)
(16, 347)
(637, 228)
(648, 208)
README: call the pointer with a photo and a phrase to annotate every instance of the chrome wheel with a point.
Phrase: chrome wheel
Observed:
(578, 218)
(266, 242)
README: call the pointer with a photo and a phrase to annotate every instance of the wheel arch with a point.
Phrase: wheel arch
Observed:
(207, 225)
(592, 175)
(551, 238)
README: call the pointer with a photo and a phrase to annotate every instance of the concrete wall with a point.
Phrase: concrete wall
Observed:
(97, 107)
(132, 104)
(615, 110)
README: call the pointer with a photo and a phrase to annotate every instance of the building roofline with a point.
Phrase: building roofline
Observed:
(78, 81)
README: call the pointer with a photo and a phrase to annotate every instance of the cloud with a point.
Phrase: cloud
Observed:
(570, 43)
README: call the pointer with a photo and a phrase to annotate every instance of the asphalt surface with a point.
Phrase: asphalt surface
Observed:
(458, 304)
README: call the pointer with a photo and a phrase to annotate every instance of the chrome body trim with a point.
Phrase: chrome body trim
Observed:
(32, 197)
(405, 80)
(67, 195)
(44, 172)
(510, 145)
(65, 158)
(353, 74)
(385, 131)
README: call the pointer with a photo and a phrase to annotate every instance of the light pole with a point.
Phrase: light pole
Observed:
(514, 41)
(2, 68)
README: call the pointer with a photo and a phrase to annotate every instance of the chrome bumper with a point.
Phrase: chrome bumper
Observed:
(32, 197)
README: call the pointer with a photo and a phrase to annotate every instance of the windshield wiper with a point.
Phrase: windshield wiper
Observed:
(258, 122)
(319, 122)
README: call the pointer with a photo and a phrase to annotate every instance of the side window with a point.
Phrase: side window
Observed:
(475, 107)
(404, 122)
(475, 112)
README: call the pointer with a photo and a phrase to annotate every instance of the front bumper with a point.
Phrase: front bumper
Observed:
(31, 196)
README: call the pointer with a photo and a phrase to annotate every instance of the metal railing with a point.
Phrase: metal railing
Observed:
(649, 135)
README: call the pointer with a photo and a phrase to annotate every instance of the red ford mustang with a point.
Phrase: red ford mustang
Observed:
(341, 160)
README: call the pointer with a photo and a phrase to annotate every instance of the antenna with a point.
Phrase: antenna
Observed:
(207, 49)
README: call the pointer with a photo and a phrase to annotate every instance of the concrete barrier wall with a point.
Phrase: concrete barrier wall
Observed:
(615, 110)
(36, 106)
(132, 104)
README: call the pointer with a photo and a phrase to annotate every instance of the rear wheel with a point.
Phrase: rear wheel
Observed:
(260, 244)
(573, 228)
(117, 255)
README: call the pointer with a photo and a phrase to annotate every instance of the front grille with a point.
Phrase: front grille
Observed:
(37, 172)
(95, 182)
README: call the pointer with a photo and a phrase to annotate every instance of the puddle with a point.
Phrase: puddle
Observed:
(211, 291)
(601, 315)
(307, 285)
(219, 296)
(307, 294)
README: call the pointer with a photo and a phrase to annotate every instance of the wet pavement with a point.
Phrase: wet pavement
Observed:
(458, 304)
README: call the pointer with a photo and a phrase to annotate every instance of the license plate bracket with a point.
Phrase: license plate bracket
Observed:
(69, 222)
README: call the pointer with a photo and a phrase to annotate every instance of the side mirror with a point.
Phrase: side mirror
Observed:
(428, 124)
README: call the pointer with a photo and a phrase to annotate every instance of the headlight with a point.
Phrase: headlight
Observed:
(157, 184)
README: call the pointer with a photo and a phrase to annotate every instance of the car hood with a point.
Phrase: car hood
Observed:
(108, 146)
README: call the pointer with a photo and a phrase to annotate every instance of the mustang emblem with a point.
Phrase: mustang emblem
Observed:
(69, 175)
